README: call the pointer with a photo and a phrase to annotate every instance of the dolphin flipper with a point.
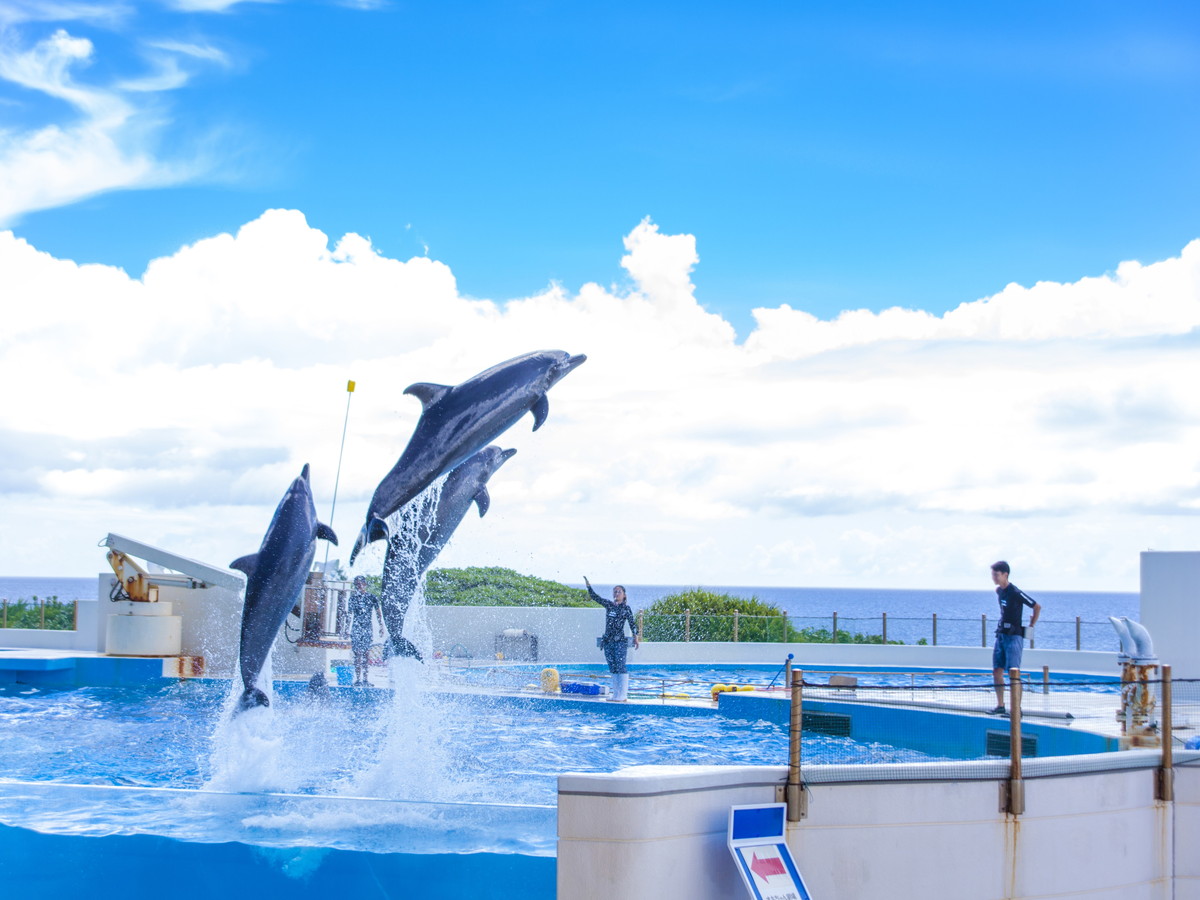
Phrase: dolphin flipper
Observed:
(374, 530)
(377, 530)
(540, 409)
(326, 533)
(483, 500)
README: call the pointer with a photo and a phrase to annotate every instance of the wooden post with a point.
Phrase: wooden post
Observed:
(1016, 783)
(1078, 643)
(1045, 679)
(1166, 776)
(885, 628)
(835, 628)
(43, 613)
(935, 629)
(983, 632)
(642, 624)
(797, 805)
(735, 626)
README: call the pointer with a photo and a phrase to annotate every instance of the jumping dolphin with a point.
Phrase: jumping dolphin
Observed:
(274, 577)
(465, 485)
(457, 421)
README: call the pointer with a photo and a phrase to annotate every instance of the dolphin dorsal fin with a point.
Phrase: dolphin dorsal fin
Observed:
(326, 533)
(427, 392)
(483, 500)
(540, 410)
(246, 564)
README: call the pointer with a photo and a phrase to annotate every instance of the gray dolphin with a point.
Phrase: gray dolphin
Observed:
(274, 578)
(457, 422)
(465, 485)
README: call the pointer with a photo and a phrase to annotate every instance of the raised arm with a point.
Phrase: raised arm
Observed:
(595, 596)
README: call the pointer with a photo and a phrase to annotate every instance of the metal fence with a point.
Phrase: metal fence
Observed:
(1066, 723)
(883, 629)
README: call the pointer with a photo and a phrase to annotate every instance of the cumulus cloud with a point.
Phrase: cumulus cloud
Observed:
(1053, 423)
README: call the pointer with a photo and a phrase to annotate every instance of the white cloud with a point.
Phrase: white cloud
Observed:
(110, 139)
(1053, 424)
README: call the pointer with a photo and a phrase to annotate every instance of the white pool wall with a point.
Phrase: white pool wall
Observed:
(650, 833)
(1171, 608)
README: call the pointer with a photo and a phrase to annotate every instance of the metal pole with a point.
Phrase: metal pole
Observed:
(885, 628)
(1166, 777)
(787, 671)
(785, 627)
(935, 629)
(735, 626)
(1077, 641)
(835, 628)
(1045, 679)
(337, 479)
(797, 806)
(983, 632)
(687, 624)
(1016, 784)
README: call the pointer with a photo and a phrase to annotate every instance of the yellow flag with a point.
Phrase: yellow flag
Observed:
(350, 387)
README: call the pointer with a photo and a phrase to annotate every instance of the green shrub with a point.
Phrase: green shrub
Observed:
(712, 620)
(60, 615)
(495, 586)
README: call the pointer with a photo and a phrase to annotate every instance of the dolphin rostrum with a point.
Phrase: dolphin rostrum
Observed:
(459, 420)
(274, 578)
(402, 568)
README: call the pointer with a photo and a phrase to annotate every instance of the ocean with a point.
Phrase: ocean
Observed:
(859, 610)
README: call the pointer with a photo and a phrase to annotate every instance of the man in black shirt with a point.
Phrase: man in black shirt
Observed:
(1010, 635)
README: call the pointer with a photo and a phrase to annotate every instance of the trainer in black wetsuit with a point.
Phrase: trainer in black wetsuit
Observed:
(362, 606)
(1010, 634)
(614, 644)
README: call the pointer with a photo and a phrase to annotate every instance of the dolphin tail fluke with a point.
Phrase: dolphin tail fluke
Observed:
(540, 410)
(404, 647)
(326, 533)
(251, 698)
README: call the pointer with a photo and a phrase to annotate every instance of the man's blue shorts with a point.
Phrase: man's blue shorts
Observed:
(1007, 652)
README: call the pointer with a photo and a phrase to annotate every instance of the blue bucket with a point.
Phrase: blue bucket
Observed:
(345, 674)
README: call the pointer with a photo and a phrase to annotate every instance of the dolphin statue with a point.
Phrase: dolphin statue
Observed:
(457, 421)
(274, 578)
(465, 485)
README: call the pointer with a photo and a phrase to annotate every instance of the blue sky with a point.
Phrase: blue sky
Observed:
(871, 294)
(830, 156)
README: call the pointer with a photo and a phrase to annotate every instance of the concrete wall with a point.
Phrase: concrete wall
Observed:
(658, 831)
(83, 638)
(1171, 609)
(212, 623)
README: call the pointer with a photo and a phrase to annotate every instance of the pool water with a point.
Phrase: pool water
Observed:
(412, 770)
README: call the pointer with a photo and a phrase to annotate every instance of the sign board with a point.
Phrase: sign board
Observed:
(759, 846)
